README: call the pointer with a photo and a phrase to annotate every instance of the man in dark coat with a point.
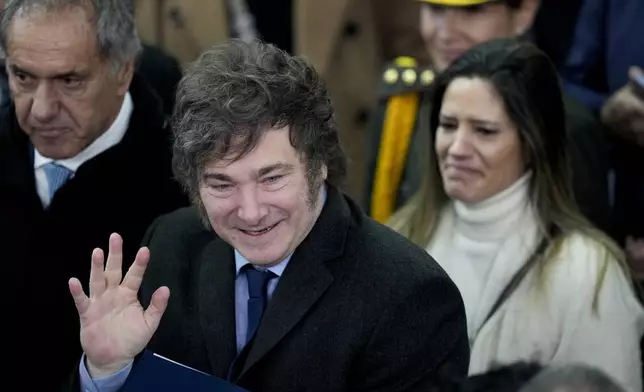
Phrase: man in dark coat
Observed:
(399, 136)
(279, 282)
(84, 152)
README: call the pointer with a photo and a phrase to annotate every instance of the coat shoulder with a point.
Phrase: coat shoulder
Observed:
(175, 241)
(391, 257)
(182, 229)
(404, 75)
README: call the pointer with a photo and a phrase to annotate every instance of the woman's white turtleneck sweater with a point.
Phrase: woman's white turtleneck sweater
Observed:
(482, 245)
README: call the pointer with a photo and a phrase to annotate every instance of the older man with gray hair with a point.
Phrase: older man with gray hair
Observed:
(572, 378)
(84, 152)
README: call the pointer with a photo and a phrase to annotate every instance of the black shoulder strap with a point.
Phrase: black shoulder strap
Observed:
(516, 280)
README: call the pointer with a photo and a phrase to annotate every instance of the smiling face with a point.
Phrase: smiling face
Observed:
(262, 203)
(478, 147)
(64, 92)
(450, 31)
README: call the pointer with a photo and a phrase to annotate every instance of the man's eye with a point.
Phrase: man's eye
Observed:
(221, 187)
(71, 82)
(23, 77)
(272, 179)
(474, 9)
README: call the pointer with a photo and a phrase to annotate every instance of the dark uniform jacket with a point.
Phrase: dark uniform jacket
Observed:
(587, 148)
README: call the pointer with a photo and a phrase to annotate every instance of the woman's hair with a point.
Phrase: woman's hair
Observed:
(528, 85)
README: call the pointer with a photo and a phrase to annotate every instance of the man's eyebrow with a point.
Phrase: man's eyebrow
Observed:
(71, 74)
(16, 69)
(217, 176)
(260, 173)
(275, 167)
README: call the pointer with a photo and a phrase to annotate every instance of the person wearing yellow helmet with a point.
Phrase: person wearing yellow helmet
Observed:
(400, 123)
(452, 27)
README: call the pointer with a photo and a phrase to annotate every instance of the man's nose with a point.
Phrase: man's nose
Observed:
(251, 210)
(447, 24)
(45, 105)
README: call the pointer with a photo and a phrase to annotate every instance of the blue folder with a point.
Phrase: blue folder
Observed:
(156, 373)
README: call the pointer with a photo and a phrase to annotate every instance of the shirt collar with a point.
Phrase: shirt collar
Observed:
(108, 139)
(278, 269)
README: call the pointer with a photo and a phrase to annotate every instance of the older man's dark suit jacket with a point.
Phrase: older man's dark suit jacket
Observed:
(358, 308)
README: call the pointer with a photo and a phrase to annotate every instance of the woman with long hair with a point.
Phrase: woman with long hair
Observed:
(496, 210)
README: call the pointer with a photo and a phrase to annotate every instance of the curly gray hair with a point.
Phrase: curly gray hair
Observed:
(116, 34)
(237, 91)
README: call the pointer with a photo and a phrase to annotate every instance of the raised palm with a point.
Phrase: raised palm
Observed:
(114, 325)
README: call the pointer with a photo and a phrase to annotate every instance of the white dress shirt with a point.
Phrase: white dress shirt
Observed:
(110, 138)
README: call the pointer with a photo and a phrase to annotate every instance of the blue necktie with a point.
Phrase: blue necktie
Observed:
(257, 298)
(57, 175)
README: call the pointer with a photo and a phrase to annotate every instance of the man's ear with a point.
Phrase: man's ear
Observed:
(124, 76)
(324, 172)
(524, 16)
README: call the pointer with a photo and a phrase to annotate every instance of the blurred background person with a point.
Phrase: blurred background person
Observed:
(554, 27)
(497, 212)
(623, 113)
(603, 49)
(399, 128)
(162, 72)
(84, 152)
(604, 71)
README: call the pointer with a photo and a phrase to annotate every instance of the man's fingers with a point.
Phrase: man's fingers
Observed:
(97, 275)
(135, 274)
(80, 299)
(113, 272)
(158, 304)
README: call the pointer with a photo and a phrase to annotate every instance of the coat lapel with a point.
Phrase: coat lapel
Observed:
(305, 279)
(217, 305)
(312, 18)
